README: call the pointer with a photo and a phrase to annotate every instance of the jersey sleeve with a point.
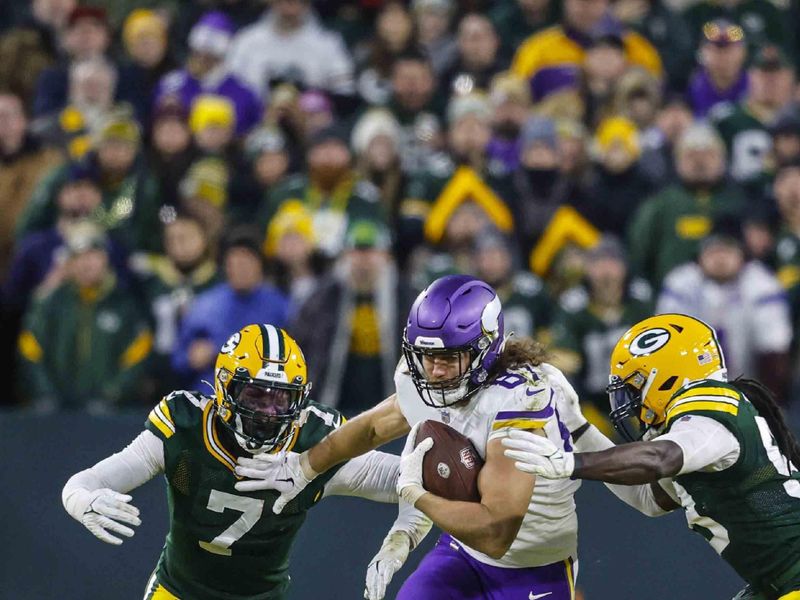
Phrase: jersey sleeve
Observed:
(711, 399)
(176, 410)
(528, 404)
(707, 445)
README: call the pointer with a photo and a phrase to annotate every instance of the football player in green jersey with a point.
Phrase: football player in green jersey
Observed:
(224, 539)
(720, 450)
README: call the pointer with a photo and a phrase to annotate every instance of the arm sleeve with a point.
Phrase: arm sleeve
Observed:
(136, 464)
(706, 444)
(640, 497)
(372, 476)
(412, 522)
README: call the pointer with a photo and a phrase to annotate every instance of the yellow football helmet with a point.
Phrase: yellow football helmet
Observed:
(260, 386)
(652, 360)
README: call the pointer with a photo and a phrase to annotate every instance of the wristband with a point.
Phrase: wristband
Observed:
(305, 466)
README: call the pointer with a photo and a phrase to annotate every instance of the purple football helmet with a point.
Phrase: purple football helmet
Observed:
(453, 315)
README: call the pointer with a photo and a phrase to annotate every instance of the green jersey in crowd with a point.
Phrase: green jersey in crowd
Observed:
(746, 138)
(749, 512)
(224, 544)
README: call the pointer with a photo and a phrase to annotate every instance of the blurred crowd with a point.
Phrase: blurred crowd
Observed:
(171, 171)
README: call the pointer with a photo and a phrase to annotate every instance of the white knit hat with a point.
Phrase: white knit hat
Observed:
(373, 123)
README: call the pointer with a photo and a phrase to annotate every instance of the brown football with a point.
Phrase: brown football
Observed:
(450, 468)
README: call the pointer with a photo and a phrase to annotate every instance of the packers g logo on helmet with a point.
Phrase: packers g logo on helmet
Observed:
(649, 341)
(260, 386)
(652, 360)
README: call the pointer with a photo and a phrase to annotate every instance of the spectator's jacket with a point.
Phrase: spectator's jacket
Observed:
(19, 174)
(169, 293)
(746, 138)
(311, 55)
(353, 199)
(433, 197)
(512, 26)
(551, 59)
(215, 314)
(703, 95)
(667, 228)
(182, 85)
(84, 347)
(582, 342)
(750, 314)
(129, 209)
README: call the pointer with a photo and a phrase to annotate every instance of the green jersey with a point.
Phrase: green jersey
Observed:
(224, 544)
(749, 512)
(746, 138)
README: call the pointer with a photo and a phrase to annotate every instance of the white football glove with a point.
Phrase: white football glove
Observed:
(538, 455)
(567, 402)
(388, 561)
(287, 472)
(409, 483)
(102, 511)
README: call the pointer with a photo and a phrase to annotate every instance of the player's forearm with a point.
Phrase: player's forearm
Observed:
(358, 436)
(472, 523)
(630, 464)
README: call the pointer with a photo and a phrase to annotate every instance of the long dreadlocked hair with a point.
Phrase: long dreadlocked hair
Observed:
(766, 404)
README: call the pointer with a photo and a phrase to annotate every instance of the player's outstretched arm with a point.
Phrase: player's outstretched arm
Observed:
(491, 525)
(629, 464)
(289, 473)
(97, 496)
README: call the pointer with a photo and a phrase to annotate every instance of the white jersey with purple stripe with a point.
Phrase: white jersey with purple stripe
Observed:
(522, 398)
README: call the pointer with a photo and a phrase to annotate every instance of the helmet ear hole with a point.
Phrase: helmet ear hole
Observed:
(668, 384)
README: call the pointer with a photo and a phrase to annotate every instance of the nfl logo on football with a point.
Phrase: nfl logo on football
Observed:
(467, 459)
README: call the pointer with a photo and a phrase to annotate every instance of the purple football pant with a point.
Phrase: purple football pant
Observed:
(447, 572)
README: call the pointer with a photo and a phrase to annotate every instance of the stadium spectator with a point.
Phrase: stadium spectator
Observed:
(433, 19)
(330, 190)
(743, 126)
(526, 304)
(205, 72)
(350, 326)
(86, 36)
(671, 120)
(517, 20)
(316, 112)
(462, 178)
(393, 36)
(267, 152)
(204, 192)
(667, 228)
(169, 283)
(170, 152)
(477, 60)
(510, 103)
(23, 162)
(763, 22)
(290, 43)
(89, 103)
(244, 297)
(621, 183)
(40, 258)
(86, 344)
(787, 248)
(418, 108)
(604, 64)
(591, 319)
(539, 188)
(375, 143)
(130, 194)
(551, 59)
(741, 300)
(721, 76)
(145, 37)
(666, 30)
(295, 263)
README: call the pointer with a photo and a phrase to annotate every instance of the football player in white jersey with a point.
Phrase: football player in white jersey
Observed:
(520, 539)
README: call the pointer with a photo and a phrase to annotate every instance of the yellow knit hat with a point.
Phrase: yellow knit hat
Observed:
(142, 21)
(292, 217)
(618, 129)
(210, 110)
